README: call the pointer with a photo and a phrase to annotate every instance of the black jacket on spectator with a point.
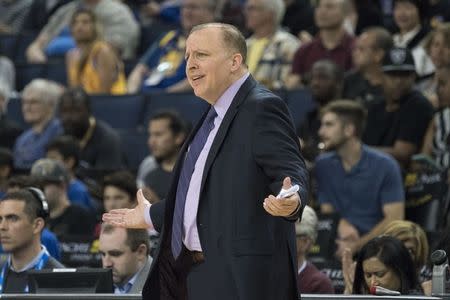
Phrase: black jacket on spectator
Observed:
(74, 221)
(103, 150)
(358, 88)
(408, 123)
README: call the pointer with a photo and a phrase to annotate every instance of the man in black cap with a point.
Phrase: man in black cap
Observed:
(397, 124)
(65, 219)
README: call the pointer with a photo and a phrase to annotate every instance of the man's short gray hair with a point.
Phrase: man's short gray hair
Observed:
(44, 90)
(308, 225)
(277, 7)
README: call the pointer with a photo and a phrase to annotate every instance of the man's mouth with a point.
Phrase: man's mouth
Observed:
(197, 77)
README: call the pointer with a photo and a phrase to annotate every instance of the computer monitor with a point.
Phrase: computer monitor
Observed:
(70, 281)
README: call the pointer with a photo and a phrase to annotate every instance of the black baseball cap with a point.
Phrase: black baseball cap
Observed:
(398, 60)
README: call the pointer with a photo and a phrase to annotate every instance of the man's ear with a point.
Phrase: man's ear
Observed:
(142, 250)
(349, 129)
(38, 225)
(237, 61)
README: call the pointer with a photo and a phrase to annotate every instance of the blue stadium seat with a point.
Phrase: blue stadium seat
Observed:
(190, 107)
(134, 146)
(122, 112)
(14, 112)
(56, 71)
(8, 45)
(300, 103)
(25, 73)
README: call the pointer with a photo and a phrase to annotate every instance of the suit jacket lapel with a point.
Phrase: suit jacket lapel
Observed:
(224, 126)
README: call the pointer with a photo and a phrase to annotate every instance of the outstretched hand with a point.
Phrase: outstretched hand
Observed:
(129, 218)
(282, 207)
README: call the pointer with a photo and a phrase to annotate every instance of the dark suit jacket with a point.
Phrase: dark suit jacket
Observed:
(249, 254)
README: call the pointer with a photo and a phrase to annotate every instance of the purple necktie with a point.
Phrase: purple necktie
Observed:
(187, 169)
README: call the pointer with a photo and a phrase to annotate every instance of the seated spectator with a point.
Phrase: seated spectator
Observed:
(414, 239)
(167, 132)
(6, 168)
(39, 102)
(364, 83)
(64, 218)
(409, 18)
(67, 150)
(351, 171)
(437, 46)
(298, 17)
(270, 49)
(332, 42)
(325, 86)
(310, 279)
(22, 219)
(99, 143)
(94, 64)
(13, 14)
(384, 262)
(48, 238)
(119, 191)
(126, 252)
(120, 30)
(9, 129)
(436, 144)
(397, 125)
(163, 66)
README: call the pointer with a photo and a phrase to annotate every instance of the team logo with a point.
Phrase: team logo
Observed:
(398, 56)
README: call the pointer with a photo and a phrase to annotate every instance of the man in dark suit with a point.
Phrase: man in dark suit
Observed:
(230, 240)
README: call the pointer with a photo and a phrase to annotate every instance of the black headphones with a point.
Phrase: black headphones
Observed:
(38, 194)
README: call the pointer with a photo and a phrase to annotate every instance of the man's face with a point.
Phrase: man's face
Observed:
(34, 108)
(16, 229)
(331, 132)
(439, 51)
(406, 15)
(256, 14)
(83, 28)
(323, 84)
(114, 198)
(195, 12)
(118, 256)
(74, 118)
(209, 64)
(364, 54)
(162, 142)
(397, 84)
(329, 14)
(443, 87)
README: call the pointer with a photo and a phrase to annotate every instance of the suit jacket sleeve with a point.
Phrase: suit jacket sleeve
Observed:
(157, 214)
(276, 147)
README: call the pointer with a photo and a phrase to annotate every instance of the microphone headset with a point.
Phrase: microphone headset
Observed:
(38, 194)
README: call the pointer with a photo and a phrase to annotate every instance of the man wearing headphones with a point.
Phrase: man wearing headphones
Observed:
(22, 219)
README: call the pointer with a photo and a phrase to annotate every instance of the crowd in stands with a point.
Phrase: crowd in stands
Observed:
(375, 73)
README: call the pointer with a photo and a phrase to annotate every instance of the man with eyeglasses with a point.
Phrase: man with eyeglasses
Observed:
(162, 67)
